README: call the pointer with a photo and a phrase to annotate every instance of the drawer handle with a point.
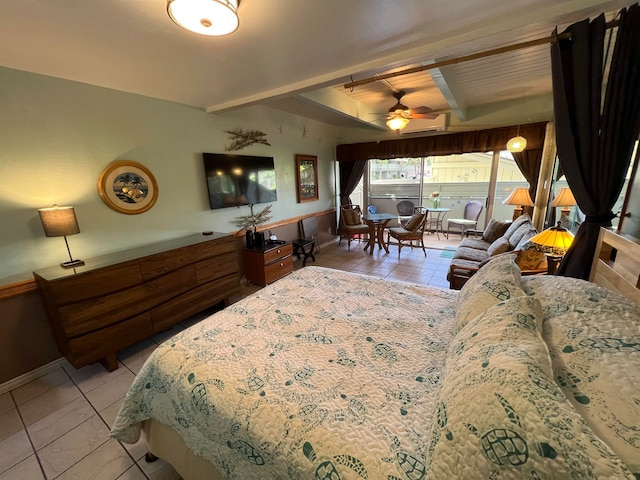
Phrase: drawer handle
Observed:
(278, 250)
(281, 264)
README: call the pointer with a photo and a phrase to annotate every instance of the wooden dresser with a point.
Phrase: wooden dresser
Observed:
(116, 300)
(266, 265)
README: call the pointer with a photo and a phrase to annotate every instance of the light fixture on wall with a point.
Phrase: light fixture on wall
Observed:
(555, 242)
(397, 122)
(564, 199)
(60, 222)
(519, 197)
(205, 17)
(517, 143)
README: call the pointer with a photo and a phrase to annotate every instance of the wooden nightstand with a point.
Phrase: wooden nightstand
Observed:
(266, 265)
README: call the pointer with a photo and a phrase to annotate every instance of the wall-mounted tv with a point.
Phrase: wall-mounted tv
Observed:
(234, 180)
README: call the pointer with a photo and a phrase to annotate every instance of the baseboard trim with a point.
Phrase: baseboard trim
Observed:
(32, 375)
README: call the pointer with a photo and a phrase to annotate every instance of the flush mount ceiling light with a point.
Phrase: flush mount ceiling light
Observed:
(205, 17)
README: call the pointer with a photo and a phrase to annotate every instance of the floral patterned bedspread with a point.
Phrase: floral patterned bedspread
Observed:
(322, 373)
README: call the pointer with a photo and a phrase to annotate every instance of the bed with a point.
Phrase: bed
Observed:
(333, 375)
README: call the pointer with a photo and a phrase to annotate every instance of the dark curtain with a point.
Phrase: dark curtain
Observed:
(447, 144)
(595, 142)
(350, 175)
(529, 164)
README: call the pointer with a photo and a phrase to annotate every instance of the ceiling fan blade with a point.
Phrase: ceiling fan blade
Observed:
(429, 116)
(421, 110)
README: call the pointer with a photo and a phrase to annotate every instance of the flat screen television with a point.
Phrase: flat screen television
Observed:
(234, 180)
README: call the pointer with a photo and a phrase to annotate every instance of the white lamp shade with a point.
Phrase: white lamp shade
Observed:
(397, 122)
(517, 144)
(59, 221)
(564, 199)
(205, 17)
(519, 196)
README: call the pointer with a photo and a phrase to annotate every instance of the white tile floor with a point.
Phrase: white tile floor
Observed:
(56, 427)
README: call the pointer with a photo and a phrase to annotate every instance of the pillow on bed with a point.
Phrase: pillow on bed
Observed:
(499, 414)
(496, 281)
(594, 342)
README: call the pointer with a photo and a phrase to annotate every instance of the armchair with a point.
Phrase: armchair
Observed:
(472, 211)
(350, 224)
(413, 230)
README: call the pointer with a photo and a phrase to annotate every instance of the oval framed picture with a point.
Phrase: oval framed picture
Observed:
(128, 187)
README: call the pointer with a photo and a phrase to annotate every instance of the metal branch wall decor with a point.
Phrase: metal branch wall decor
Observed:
(254, 220)
(242, 138)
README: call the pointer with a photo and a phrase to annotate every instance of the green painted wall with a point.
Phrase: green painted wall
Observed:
(56, 137)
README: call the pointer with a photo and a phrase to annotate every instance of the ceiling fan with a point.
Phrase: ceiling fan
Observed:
(399, 115)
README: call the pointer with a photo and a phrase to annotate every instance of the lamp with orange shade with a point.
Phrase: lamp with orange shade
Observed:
(554, 241)
(519, 197)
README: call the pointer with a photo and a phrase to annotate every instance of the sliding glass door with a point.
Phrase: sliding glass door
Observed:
(453, 180)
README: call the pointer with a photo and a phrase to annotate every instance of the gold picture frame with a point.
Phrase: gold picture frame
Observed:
(128, 187)
(307, 178)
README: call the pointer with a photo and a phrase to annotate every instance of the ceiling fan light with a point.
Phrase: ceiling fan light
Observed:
(205, 17)
(517, 144)
(398, 122)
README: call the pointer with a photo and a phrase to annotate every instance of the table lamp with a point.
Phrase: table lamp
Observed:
(60, 222)
(555, 241)
(564, 199)
(520, 198)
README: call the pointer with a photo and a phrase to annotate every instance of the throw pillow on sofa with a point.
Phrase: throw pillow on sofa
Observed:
(531, 259)
(517, 223)
(524, 231)
(494, 230)
(501, 245)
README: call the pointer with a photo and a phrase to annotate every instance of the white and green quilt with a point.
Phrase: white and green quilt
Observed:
(333, 375)
(322, 373)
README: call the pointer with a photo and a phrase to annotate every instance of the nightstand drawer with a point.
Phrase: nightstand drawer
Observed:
(276, 253)
(278, 269)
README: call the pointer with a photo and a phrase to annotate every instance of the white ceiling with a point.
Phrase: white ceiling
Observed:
(296, 55)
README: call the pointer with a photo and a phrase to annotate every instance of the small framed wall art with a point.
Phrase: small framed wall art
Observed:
(128, 187)
(307, 178)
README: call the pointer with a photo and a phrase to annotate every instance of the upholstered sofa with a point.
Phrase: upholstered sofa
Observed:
(497, 238)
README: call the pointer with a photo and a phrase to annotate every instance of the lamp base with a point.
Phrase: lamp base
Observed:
(517, 212)
(552, 264)
(72, 264)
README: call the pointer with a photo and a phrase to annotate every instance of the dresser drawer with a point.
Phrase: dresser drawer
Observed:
(90, 315)
(276, 270)
(227, 247)
(216, 267)
(95, 283)
(277, 253)
(168, 314)
(156, 265)
(96, 345)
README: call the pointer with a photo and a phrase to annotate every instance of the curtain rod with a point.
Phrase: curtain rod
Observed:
(473, 56)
